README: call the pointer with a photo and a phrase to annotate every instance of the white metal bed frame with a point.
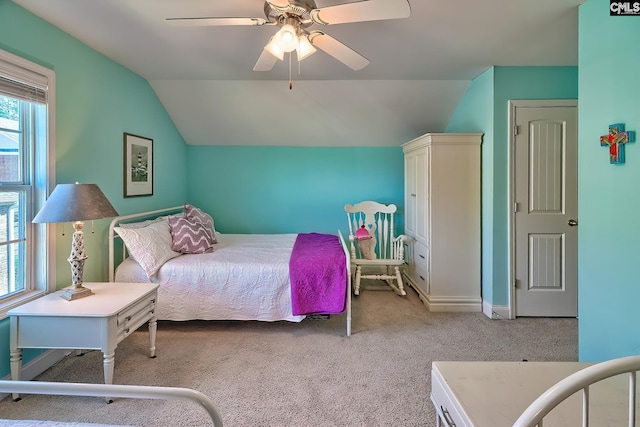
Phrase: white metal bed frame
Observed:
(151, 214)
(580, 381)
(113, 390)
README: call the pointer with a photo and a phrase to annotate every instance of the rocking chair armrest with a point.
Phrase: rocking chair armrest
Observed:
(401, 237)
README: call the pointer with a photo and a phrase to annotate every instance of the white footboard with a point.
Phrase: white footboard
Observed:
(113, 390)
(347, 255)
(580, 381)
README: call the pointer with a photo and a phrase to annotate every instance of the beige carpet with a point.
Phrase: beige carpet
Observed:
(306, 374)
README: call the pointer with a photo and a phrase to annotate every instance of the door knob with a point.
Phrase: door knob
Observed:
(572, 223)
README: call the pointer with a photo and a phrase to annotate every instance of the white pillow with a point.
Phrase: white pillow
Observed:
(139, 224)
(149, 246)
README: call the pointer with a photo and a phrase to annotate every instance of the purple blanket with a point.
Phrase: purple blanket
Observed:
(318, 274)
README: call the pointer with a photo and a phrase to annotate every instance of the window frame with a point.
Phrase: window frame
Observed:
(41, 274)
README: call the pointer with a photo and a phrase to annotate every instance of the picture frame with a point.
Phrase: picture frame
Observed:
(138, 165)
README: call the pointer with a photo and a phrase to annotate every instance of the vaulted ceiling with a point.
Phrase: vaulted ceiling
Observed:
(420, 66)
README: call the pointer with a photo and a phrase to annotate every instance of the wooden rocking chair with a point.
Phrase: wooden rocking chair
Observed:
(374, 245)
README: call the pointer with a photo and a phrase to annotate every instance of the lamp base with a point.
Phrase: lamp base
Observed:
(76, 293)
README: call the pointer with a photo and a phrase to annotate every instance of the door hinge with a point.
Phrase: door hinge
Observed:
(516, 130)
(516, 283)
(515, 207)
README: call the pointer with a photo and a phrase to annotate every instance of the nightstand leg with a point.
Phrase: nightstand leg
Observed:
(153, 328)
(16, 367)
(109, 363)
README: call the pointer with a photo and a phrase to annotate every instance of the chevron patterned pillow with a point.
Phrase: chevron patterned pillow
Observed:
(189, 237)
(198, 215)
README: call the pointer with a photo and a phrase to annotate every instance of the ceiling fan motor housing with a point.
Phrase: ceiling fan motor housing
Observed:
(300, 10)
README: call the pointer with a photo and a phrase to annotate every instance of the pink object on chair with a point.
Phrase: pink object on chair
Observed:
(362, 233)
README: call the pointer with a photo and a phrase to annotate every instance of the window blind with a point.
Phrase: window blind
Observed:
(18, 82)
(22, 91)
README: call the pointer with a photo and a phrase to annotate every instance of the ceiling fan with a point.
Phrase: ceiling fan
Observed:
(294, 17)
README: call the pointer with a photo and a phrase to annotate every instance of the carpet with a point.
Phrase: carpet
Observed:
(300, 374)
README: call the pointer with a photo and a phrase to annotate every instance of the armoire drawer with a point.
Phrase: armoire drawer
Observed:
(420, 253)
(421, 266)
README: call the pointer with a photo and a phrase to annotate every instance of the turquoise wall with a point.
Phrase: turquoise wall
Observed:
(517, 83)
(608, 195)
(491, 91)
(291, 189)
(475, 113)
(96, 101)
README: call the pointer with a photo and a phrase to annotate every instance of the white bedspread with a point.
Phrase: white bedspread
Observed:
(245, 278)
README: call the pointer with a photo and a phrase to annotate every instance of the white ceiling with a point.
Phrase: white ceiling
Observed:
(420, 66)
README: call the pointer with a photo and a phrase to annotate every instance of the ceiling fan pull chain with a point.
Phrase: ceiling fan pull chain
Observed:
(290, 83)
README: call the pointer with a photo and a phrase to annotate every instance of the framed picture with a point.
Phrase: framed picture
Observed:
(138, 166)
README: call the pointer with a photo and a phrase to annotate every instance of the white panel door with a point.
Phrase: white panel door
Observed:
(546, 235)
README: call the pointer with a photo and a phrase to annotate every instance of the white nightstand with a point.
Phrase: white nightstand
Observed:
(494, 394)
(99, 322)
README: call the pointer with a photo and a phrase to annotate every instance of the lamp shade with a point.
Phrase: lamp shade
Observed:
(75, 202)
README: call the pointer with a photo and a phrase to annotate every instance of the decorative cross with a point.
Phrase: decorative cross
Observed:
(616, 139)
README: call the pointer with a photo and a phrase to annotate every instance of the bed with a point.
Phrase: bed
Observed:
(241, 277)
(528, 394)
(102, 390)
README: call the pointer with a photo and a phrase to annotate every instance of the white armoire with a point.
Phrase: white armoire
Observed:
(442, 219)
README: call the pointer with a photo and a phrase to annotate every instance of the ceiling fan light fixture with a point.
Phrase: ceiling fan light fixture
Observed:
(273, 47)
(287, 38)
(305, 49)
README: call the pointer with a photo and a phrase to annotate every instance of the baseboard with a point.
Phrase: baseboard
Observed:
(495, 311)
(38, 365)
(448, 304)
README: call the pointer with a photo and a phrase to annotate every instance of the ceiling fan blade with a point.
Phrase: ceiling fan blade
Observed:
(265, 62)
(210, 21)
(369, 10)
(341, 52)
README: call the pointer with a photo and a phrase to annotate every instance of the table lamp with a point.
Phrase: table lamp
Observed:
(76, 203)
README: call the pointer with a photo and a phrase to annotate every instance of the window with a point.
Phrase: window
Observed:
(26, 168)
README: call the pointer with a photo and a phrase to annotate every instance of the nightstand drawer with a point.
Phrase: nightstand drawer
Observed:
(134, 316)
(447, 409)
